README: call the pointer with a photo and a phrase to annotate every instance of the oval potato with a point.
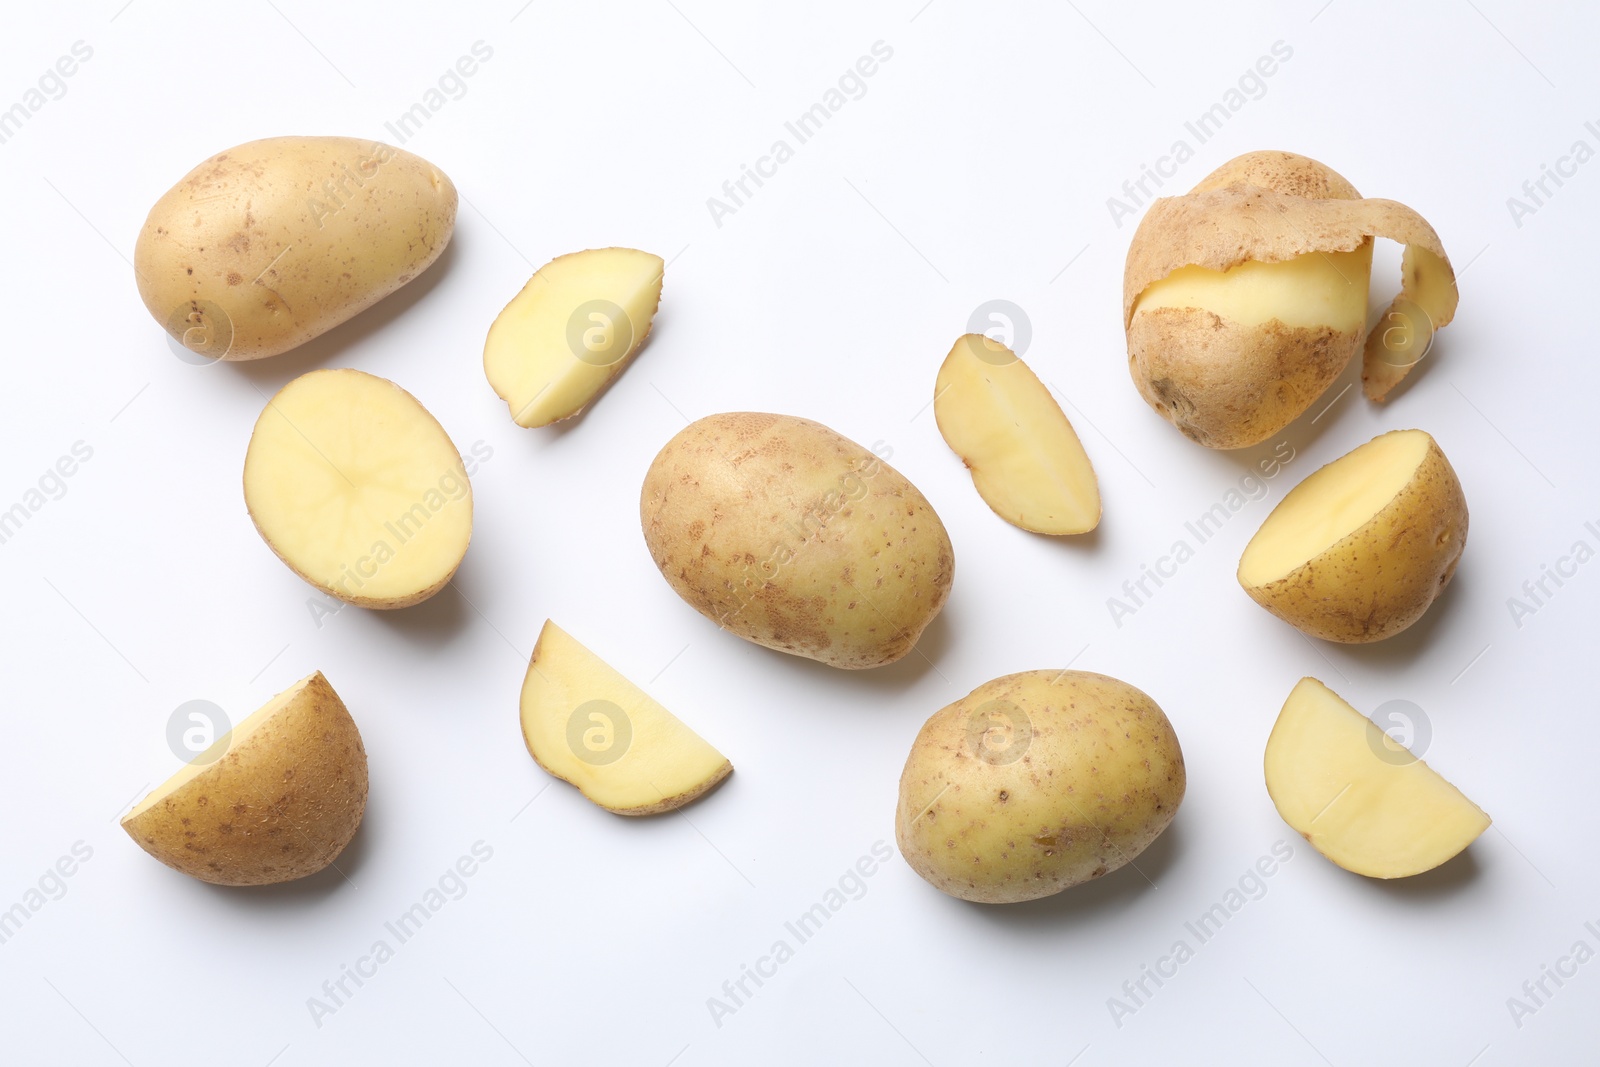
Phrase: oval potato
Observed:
(1037, 782)
(265, 246)
(787, 534)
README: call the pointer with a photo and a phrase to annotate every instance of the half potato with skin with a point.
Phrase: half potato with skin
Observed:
(1359, 550)
(1246, 298)
(276, 798)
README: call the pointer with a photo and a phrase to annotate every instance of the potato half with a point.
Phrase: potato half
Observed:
(1037, 782)
(570, 331)
(1246, 298)
(789, 535)
(265, 246)
(1357, 551)
(358, 489)
(1026, 460)
(587, 724)
(276, 798)
(1360, 798)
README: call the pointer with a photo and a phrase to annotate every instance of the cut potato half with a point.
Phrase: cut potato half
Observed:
(358, 489)
(571, 329)
(1026, 461)
(276, 798)
(588, 725)
(1360, 549)
(1359, 797)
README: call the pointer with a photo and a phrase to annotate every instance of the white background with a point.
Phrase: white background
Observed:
(977, 166)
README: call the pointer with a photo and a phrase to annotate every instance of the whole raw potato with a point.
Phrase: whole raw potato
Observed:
(269, 244)
(1037, 782)
(791, 536)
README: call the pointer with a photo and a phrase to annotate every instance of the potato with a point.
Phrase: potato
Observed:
(1245, 299)
(570, 331)
(787, 534)
(276, 798)
(358, 489)
(587, 724)
(1360, 798)
(1026, 460)
(1357, 551)
(1037, 782)
(269, 244)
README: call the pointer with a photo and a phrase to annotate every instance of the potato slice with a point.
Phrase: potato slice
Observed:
(1360, 798)
(358, 489)
(571, 330)
(276, 798)
(1026, 461)
(588, 725)
(1357, 551)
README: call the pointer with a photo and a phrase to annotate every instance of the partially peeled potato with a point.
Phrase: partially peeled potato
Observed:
(1246, 298)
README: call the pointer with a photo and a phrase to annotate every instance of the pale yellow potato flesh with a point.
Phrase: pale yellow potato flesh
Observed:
(571, 329)
(1331, 504)
(1360, 798)
(588, 725)
(1360, 549)
(1037, 782)
(1316, 289)
(266, 245)
(276, 798)
(358, 489)
(1026, 461)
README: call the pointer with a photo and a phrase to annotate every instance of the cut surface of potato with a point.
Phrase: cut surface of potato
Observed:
(1360, 798)
(588, 725)
(358, 489)
(1026, 461)
(1360, 549)
(571, 329)
(276, 798)
(1331, 504)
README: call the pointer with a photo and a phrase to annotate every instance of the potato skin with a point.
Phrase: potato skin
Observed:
(1229, 385)
(1037, 782)
(1381, 578)
(280, 805)
(787, 534)
(265, 246)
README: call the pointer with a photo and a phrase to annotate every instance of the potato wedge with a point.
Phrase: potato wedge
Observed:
(1357, 796)
(587, 724)
(572, 328)
(1026, 461)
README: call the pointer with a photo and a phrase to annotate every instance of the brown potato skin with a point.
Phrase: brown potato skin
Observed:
(266, 256)
(728, 495)
(1226, 385)
(280, 805)
(1383, 577)
(1101, 776)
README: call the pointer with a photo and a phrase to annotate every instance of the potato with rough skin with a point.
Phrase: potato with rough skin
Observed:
(1037, 782)
(789, 535)
(276, 798)
(1246, 298)
(265, 246)
(1360, 549)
